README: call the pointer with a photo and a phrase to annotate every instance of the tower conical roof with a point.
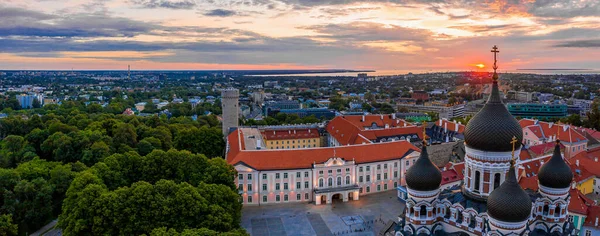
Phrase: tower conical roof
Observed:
(555, 173)
(423, 175)
(509, 202)
(492, 128)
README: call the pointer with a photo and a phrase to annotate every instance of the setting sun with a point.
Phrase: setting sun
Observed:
(480, 66)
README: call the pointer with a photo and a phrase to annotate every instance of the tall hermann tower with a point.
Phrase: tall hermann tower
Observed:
(488, 144)
(229, 103)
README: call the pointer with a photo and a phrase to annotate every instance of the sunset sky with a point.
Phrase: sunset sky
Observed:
(298, 34)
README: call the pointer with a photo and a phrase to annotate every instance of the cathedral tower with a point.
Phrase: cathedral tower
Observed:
(423, 181)
(554, 181)
(508, 206)
(488, 137)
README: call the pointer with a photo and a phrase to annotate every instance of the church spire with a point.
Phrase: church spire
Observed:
(495, 51)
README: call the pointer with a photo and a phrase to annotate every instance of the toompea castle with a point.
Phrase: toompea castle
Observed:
(489, 201)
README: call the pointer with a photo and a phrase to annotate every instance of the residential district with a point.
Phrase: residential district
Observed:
(462, 153)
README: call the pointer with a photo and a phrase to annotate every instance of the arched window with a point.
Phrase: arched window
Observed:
(412, 211)
(321, 182)
(423, 212)
(496, 180)
(477, 180)
(546, 210)
(347, 180)
(330, 182)
(339, 181)
(557, 210)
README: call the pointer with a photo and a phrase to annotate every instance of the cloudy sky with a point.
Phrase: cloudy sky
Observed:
(298, 34)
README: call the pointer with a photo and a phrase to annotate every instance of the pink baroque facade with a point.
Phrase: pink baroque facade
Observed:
(318, 175)
(336, 178)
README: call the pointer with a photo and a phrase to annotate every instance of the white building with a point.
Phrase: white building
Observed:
(317, 175)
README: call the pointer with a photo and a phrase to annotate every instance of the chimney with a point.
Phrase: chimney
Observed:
(456, 127)
(577, 162)
(381, 117)
(596, 224)
(362, 119)
(394, 116)
(446, 127)
(595, 159)
(550, 125)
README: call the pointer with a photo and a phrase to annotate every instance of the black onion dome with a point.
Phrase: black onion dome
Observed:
(493, 128)
(509, 202)
(555, 173)
(423, 175)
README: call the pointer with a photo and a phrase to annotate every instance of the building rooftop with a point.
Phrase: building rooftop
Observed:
(290, 134)
(237, 153)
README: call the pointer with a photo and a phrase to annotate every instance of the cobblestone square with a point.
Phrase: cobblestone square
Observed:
(363, 217)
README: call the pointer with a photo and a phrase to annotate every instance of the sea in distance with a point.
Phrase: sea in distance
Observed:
(404, 72)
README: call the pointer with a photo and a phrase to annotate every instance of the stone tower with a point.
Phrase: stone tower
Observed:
(229, 103)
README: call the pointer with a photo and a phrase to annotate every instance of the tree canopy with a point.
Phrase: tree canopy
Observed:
(132, 195)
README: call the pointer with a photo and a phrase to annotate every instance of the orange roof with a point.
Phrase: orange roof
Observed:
(544, 148)
(589, 164)
(532, 168)
(524, 155)
(458, 168)
(591, 132)
(578, 201)
(593, 214)
(349, 129)
(290, 134)
(529, 183)
(450, 125)
(304, 158)
(566, 133)
(450, 176)
(380, 120)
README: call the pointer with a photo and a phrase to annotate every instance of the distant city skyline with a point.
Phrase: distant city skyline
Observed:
(298, 34)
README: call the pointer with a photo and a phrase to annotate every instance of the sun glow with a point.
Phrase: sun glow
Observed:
(480, 66)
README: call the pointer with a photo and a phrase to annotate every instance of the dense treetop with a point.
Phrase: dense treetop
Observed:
(146, 173)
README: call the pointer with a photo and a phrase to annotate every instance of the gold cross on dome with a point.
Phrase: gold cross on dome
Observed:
(558, 131)
(495, 51)
(424, 132)
(513, 142)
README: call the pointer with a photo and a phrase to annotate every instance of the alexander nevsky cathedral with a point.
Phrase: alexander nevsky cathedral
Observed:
(490, 201)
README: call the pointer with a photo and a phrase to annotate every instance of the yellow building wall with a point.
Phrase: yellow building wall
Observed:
(292, 143)
(587, 186)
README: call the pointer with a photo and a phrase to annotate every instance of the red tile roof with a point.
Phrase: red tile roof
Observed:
(450, 125)
(544, 148)
(593, 215)
(290, 134)
(532, 168)
(578, 202)
(450, 176)
(589, 164)
(304, 158)
(566, 133)
(529, 183)
(349, 129)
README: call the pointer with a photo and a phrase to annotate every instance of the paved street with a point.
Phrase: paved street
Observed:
(339, 218)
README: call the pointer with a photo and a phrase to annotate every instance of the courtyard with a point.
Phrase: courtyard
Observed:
(366, 216)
